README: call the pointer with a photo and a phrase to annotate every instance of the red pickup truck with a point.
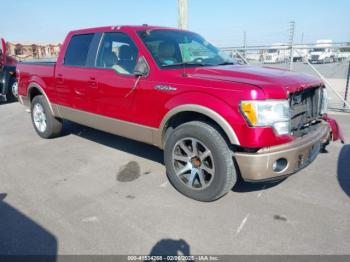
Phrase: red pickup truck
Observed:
(171, 88)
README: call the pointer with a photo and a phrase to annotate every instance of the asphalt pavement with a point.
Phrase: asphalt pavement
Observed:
(89, 192)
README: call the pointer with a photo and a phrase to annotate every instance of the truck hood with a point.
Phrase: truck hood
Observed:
(271, 80)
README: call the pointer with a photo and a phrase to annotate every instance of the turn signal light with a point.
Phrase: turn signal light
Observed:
(249, 111)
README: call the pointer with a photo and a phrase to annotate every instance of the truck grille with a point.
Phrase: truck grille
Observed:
(305, 109)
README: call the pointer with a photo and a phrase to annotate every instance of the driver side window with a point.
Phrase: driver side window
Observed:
(118, 52)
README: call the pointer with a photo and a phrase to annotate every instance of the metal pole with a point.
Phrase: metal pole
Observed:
(302, 37)
(324, 79)
(182, 9)
(347, 86)
(291, 42)
(240, 56)
(244, 43)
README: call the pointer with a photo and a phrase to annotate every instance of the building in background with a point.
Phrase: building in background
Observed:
(32, 51)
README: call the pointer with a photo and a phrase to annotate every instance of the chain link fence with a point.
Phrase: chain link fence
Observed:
(330, 62)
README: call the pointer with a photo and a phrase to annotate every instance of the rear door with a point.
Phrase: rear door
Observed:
(75, 82)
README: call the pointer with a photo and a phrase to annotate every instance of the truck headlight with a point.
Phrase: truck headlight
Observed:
(324, 101)
(273, 113)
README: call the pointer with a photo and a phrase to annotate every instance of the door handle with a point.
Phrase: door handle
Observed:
(92, 82)
(59, 79)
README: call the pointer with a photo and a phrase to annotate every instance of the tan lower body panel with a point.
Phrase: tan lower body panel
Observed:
(110, 125)
(299, 153)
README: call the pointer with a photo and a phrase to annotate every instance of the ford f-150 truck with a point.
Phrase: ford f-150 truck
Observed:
(171, 88)
(8, 83)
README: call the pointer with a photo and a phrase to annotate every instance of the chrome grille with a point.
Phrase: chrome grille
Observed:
(305, 107)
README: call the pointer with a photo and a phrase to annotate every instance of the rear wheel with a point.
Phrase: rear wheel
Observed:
(45, 124)
(14, 89)
(199, 162)
(12, 92)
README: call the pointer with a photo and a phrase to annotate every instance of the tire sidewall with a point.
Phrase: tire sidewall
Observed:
(221, 156)
(11, 87)
(10, 96)
(41, 100)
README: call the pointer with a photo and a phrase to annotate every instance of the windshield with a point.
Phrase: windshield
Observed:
(173, 49)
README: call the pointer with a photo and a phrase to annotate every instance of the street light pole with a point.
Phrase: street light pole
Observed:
(182, 9)
(291, 42)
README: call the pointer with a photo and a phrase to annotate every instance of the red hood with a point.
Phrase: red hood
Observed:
(271, 80)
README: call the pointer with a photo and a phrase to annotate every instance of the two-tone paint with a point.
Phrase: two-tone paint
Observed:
(142, 108)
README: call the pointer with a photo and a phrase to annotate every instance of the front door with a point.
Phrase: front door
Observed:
(114, 71)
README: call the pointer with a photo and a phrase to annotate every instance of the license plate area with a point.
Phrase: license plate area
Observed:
(307, 156)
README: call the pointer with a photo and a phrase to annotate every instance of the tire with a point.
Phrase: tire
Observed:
(14, 89)
(11, 96)
(212, 159)
(45, 124)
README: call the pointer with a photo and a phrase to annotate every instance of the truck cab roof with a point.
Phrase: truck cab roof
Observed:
(122, 27)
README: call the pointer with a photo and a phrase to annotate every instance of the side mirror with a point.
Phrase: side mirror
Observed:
(142, 68)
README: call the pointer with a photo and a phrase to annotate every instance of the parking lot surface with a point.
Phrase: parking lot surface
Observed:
(89, 192)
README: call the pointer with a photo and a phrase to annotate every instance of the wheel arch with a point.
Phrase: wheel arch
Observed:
(34, 89)
(189, 112)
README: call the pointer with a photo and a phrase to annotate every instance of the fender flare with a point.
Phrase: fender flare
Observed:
(32, 86)
(231, 134)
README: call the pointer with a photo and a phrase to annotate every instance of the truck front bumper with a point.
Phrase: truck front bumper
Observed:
(282, 160)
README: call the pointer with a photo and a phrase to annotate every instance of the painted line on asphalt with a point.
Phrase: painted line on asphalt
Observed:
(165, 184)
(90, 219)
(244, 221)
(261, 192)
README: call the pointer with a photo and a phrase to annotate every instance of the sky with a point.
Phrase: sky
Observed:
(220, 21)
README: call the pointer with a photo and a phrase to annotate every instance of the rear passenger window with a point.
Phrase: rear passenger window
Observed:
(78, 49)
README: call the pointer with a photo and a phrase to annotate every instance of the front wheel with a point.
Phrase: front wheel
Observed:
(45, 124)
(199, 162)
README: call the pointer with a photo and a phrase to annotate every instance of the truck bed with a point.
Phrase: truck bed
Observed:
(40, 72)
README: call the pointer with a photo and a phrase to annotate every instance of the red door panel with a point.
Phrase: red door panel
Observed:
(113, 96)
(76, 87)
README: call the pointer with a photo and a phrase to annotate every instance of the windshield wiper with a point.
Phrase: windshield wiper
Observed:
(226, 63)
(186, 64)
